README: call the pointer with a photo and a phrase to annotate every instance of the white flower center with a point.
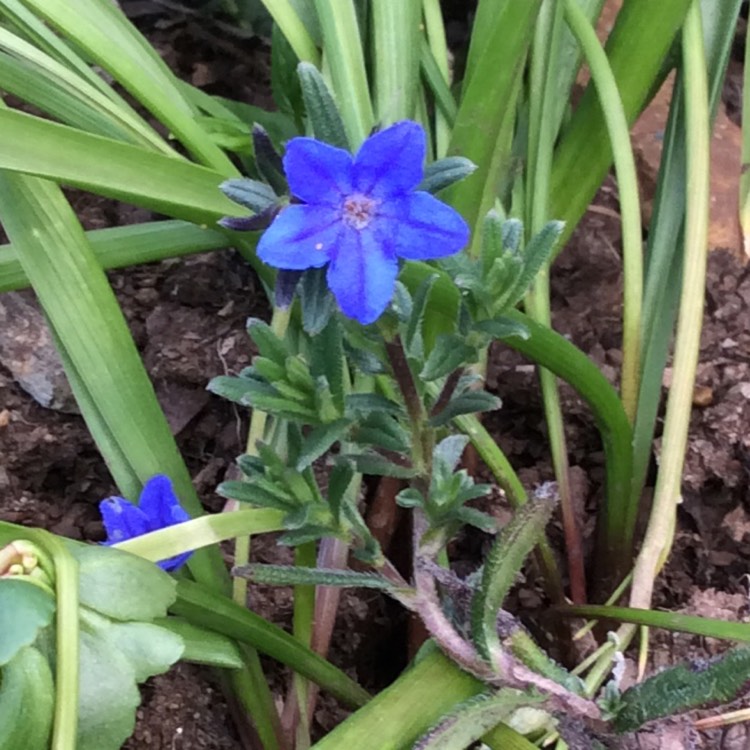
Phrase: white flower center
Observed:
(358, 210)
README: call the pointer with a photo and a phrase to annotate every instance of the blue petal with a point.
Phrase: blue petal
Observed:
(122, 520)
(363, 274)
(423, 227)
(160, 504)
(175, 562)
(391, 162)
(301, 237)
(317, 173)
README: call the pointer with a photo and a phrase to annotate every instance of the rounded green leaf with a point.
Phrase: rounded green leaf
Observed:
(25, 609)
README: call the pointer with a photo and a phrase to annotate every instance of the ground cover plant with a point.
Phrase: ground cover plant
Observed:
(401, 214)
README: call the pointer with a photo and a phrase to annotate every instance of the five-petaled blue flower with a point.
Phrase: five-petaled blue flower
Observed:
(157, 508)
(359, 215)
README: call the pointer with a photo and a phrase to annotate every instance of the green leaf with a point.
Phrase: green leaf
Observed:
(449, 450)
(410, 498)
(261, 395)
(319, 440)
(443, 173)
(372, 463)
(338, 483)
(394, 32)
(108, 695)
(343, 48)
(27, 698)
(25, 609)
(682, 688)
(467, 722)
(502, 328)
(268, 343)
(503, 564)
(126, 246)
(290, 575)
(535, 256)
(477, 519)
(486, 111)
(259, 491)
(449, 353)
(103, 570)
(256, 196)
(268, 160)
(203, 646)
(414, 339)
(150, 649)
(365, 403)
(322, 112)
(471, 402)
(316, 301)
(285, 85)
(206, 608)
(327, 360)
(382, 430)
(132, 174)
(106, 36)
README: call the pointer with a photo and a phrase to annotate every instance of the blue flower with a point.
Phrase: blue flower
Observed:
(359, 215)
(157, 508)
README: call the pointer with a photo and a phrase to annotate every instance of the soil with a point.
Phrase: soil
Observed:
(188, 318)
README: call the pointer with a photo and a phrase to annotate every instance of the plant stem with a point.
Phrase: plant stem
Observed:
(632, 251)
(660, 530)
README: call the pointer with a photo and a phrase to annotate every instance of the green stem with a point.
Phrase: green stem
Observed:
(435, 31)
(557, 354)
(345, 58)
(285, 16)
(260, 701)
(632, 251)
(305, 555)
(542, 102)
(660, 530)
(67, 626)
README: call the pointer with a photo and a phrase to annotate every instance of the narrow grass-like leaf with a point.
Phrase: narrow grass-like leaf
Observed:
(395, 36)
(706, 626)
(496, 58)
(405, 710)
(117, 170)
(202, 532)
(293, 28)
(203, 646)
(343, 49)
(665, 238)
(127, 246)
(108, 377)
(438, 85)
(204, 607)
(103, 31)
(55, 88)
(636, 48)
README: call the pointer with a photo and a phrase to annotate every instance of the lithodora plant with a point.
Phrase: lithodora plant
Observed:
(385, 300)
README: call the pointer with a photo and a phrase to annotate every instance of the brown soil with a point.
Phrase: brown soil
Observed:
(187, 317)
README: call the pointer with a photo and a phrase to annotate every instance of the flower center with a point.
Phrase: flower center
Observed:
(359, 210)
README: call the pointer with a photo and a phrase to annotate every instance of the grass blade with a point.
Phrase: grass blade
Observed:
(127, 246)
(117, 170)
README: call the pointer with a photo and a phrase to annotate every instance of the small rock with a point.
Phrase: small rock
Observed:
(27, 351)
